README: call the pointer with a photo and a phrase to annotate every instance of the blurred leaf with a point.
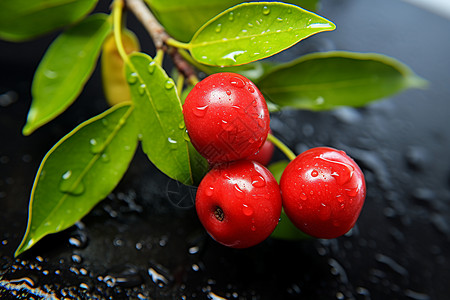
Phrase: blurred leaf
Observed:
(253, 71)
(115, 85)
(79, 171)
(285, 229)
(327, 80)
(182, 18)
(159, 113)
(253, 31)
(21, 20)
(277, 168)
(64, 70)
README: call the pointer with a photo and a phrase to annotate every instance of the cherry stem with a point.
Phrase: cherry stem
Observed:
(179, 84)
(219, 214)
(280, 145)
(117, 22)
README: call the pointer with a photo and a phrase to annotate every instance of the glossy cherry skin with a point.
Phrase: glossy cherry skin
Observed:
(323, 192)
(264, 154)
(226, 117)
(239, 203)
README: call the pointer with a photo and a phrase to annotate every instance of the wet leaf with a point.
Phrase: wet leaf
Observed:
(311, 5)
(182, 18)
(115, 85)
(327, 80)
(64, 70)
(21, 20)
(79, 171)
(159, 114)
(252, 31)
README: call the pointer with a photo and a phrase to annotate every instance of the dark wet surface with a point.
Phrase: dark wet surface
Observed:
(137, 244)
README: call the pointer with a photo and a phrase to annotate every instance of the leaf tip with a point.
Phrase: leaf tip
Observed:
(24, 246)
(418, 82)
(27, 129)
(30, 125)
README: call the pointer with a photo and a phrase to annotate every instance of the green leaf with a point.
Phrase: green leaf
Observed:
(277, 169)
(327, 80)
(160, 118)
(285, 229)
(64, 70)
(21, 20)
(182, 18)
(253, 31)
(310, 5)
(252, 71)
(79, 171)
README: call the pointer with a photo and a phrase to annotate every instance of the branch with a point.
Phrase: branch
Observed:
(160, 38)
(148, 20)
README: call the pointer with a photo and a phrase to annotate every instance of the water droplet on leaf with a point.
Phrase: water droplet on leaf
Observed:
(50, 74)
(151, 67)
(105, 158)
(71, 183)
(266, 10)
(169, 84)
(96, 145)
(172, 143)
(141, 89)
(132, 78)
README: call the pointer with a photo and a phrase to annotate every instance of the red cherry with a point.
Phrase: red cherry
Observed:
(226, 117)
(239, 203)
(265, 153)
(323, 192)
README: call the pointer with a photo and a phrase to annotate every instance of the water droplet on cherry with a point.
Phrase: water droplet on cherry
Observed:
(238, 192)
(324, 212)
(246, 210)
(237, 82)
(258, 181)
(209, 192)
(200, 111)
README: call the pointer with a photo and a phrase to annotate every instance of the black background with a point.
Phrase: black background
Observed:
(137, 244)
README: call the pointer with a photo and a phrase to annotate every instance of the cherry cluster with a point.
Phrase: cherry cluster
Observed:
(239, 202)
